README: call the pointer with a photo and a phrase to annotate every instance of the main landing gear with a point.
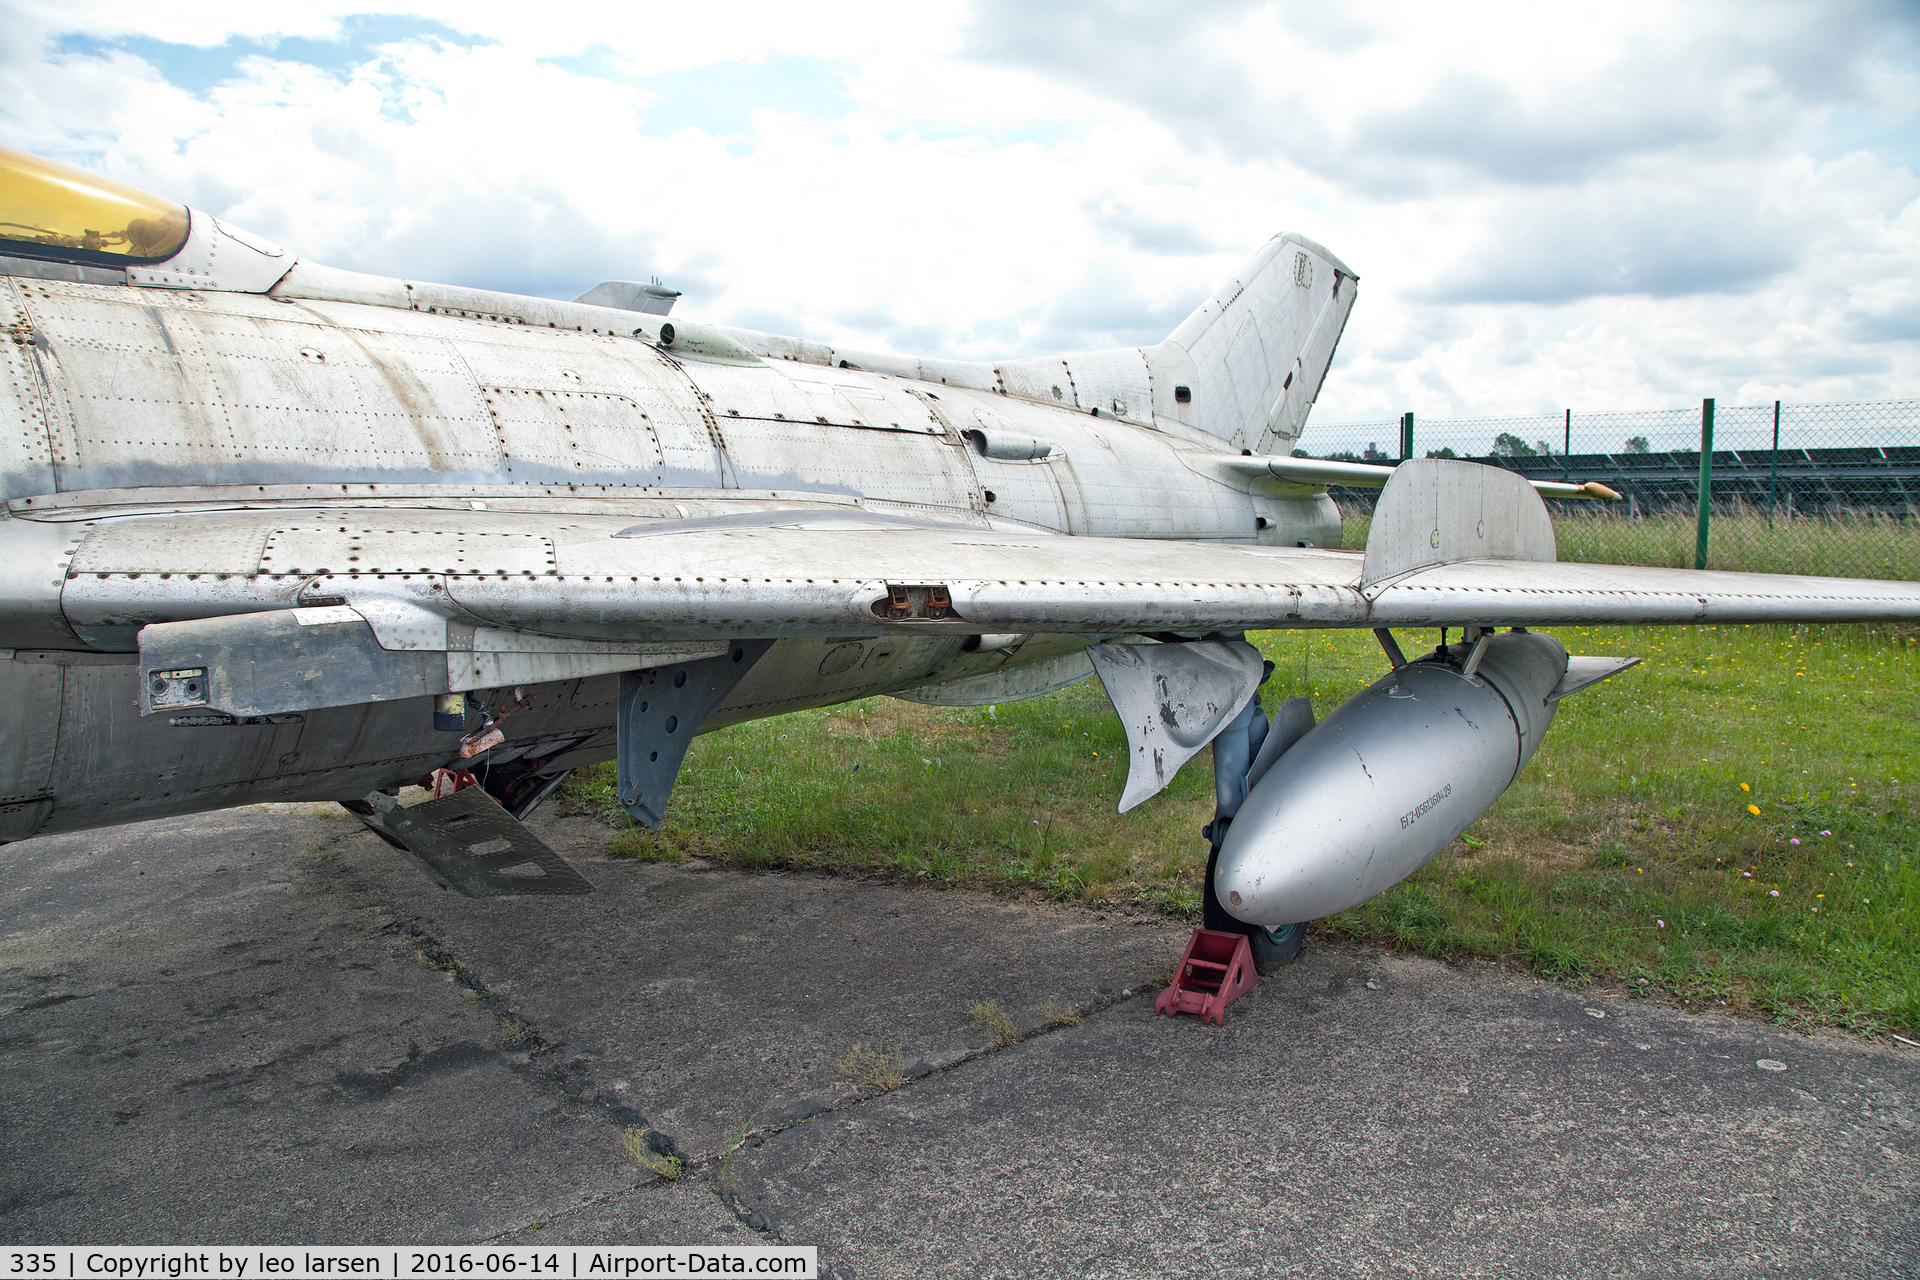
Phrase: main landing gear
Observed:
(1242, 752)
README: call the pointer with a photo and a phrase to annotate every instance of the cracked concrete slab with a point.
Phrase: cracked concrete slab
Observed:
(265, 1025)
(708, 999)
(1365, 1114)
(217, 1029)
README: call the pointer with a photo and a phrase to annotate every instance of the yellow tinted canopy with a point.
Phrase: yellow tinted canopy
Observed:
(52, 210)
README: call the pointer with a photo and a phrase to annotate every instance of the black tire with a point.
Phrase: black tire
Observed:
(1271, 947)
(1212, 914)
(1275, 947)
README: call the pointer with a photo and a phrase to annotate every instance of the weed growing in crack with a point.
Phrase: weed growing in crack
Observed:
(724, 1178)
(872, 1066)
(655, 1162)
(510, 1029)
(1060, 1014)
(436, 962)
(989, 1017)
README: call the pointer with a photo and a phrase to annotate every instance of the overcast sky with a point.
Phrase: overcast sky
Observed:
(1628, 205)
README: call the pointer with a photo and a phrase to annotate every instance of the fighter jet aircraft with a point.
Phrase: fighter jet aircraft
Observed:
(276, 531)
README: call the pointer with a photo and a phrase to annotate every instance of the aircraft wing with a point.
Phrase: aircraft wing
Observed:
(357, 603)
(614, 580)
(818, 577)
(1532, 593)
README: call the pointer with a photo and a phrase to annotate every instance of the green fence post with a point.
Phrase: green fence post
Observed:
(1406, 435)
(1773, 474)
(1705, 496)
(1566, 451)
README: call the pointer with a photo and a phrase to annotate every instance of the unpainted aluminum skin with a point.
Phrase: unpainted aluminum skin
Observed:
(258, 513)
(1388, 780)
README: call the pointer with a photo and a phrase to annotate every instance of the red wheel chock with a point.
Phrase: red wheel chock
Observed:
(454, 780)
(1216, 970)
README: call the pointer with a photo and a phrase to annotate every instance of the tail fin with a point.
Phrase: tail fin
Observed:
(1257, 351)
(1245, 368)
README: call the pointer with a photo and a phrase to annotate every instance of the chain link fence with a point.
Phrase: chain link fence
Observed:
(1830, 489)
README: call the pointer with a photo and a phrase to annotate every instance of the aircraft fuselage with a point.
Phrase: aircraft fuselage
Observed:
(261, 416)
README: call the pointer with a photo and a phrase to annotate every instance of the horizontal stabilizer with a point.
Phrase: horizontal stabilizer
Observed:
(1368, 475)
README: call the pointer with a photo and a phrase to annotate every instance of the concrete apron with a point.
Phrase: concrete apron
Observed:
(264, 1026)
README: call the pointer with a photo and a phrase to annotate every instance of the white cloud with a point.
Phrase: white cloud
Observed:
(1624, 206)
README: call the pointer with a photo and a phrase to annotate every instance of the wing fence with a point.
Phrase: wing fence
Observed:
(1830, 489)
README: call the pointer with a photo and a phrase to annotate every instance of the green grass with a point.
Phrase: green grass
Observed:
(873, 1066)
(1632, 814)
(1018, 797)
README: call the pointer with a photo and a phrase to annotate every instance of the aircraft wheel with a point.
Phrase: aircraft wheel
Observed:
(1275, 947)
(1271, 947)
(1212, 914)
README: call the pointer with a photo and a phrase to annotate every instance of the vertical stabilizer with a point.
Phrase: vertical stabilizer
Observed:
(1253, 356)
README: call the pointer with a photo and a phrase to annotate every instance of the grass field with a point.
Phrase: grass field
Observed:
(1629, 852)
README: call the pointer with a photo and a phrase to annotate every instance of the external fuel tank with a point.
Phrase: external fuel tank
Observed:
(1388, 780)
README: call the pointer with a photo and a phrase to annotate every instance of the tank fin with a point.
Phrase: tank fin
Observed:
(1290, 724)
(1583, 671)
(1173, 699)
